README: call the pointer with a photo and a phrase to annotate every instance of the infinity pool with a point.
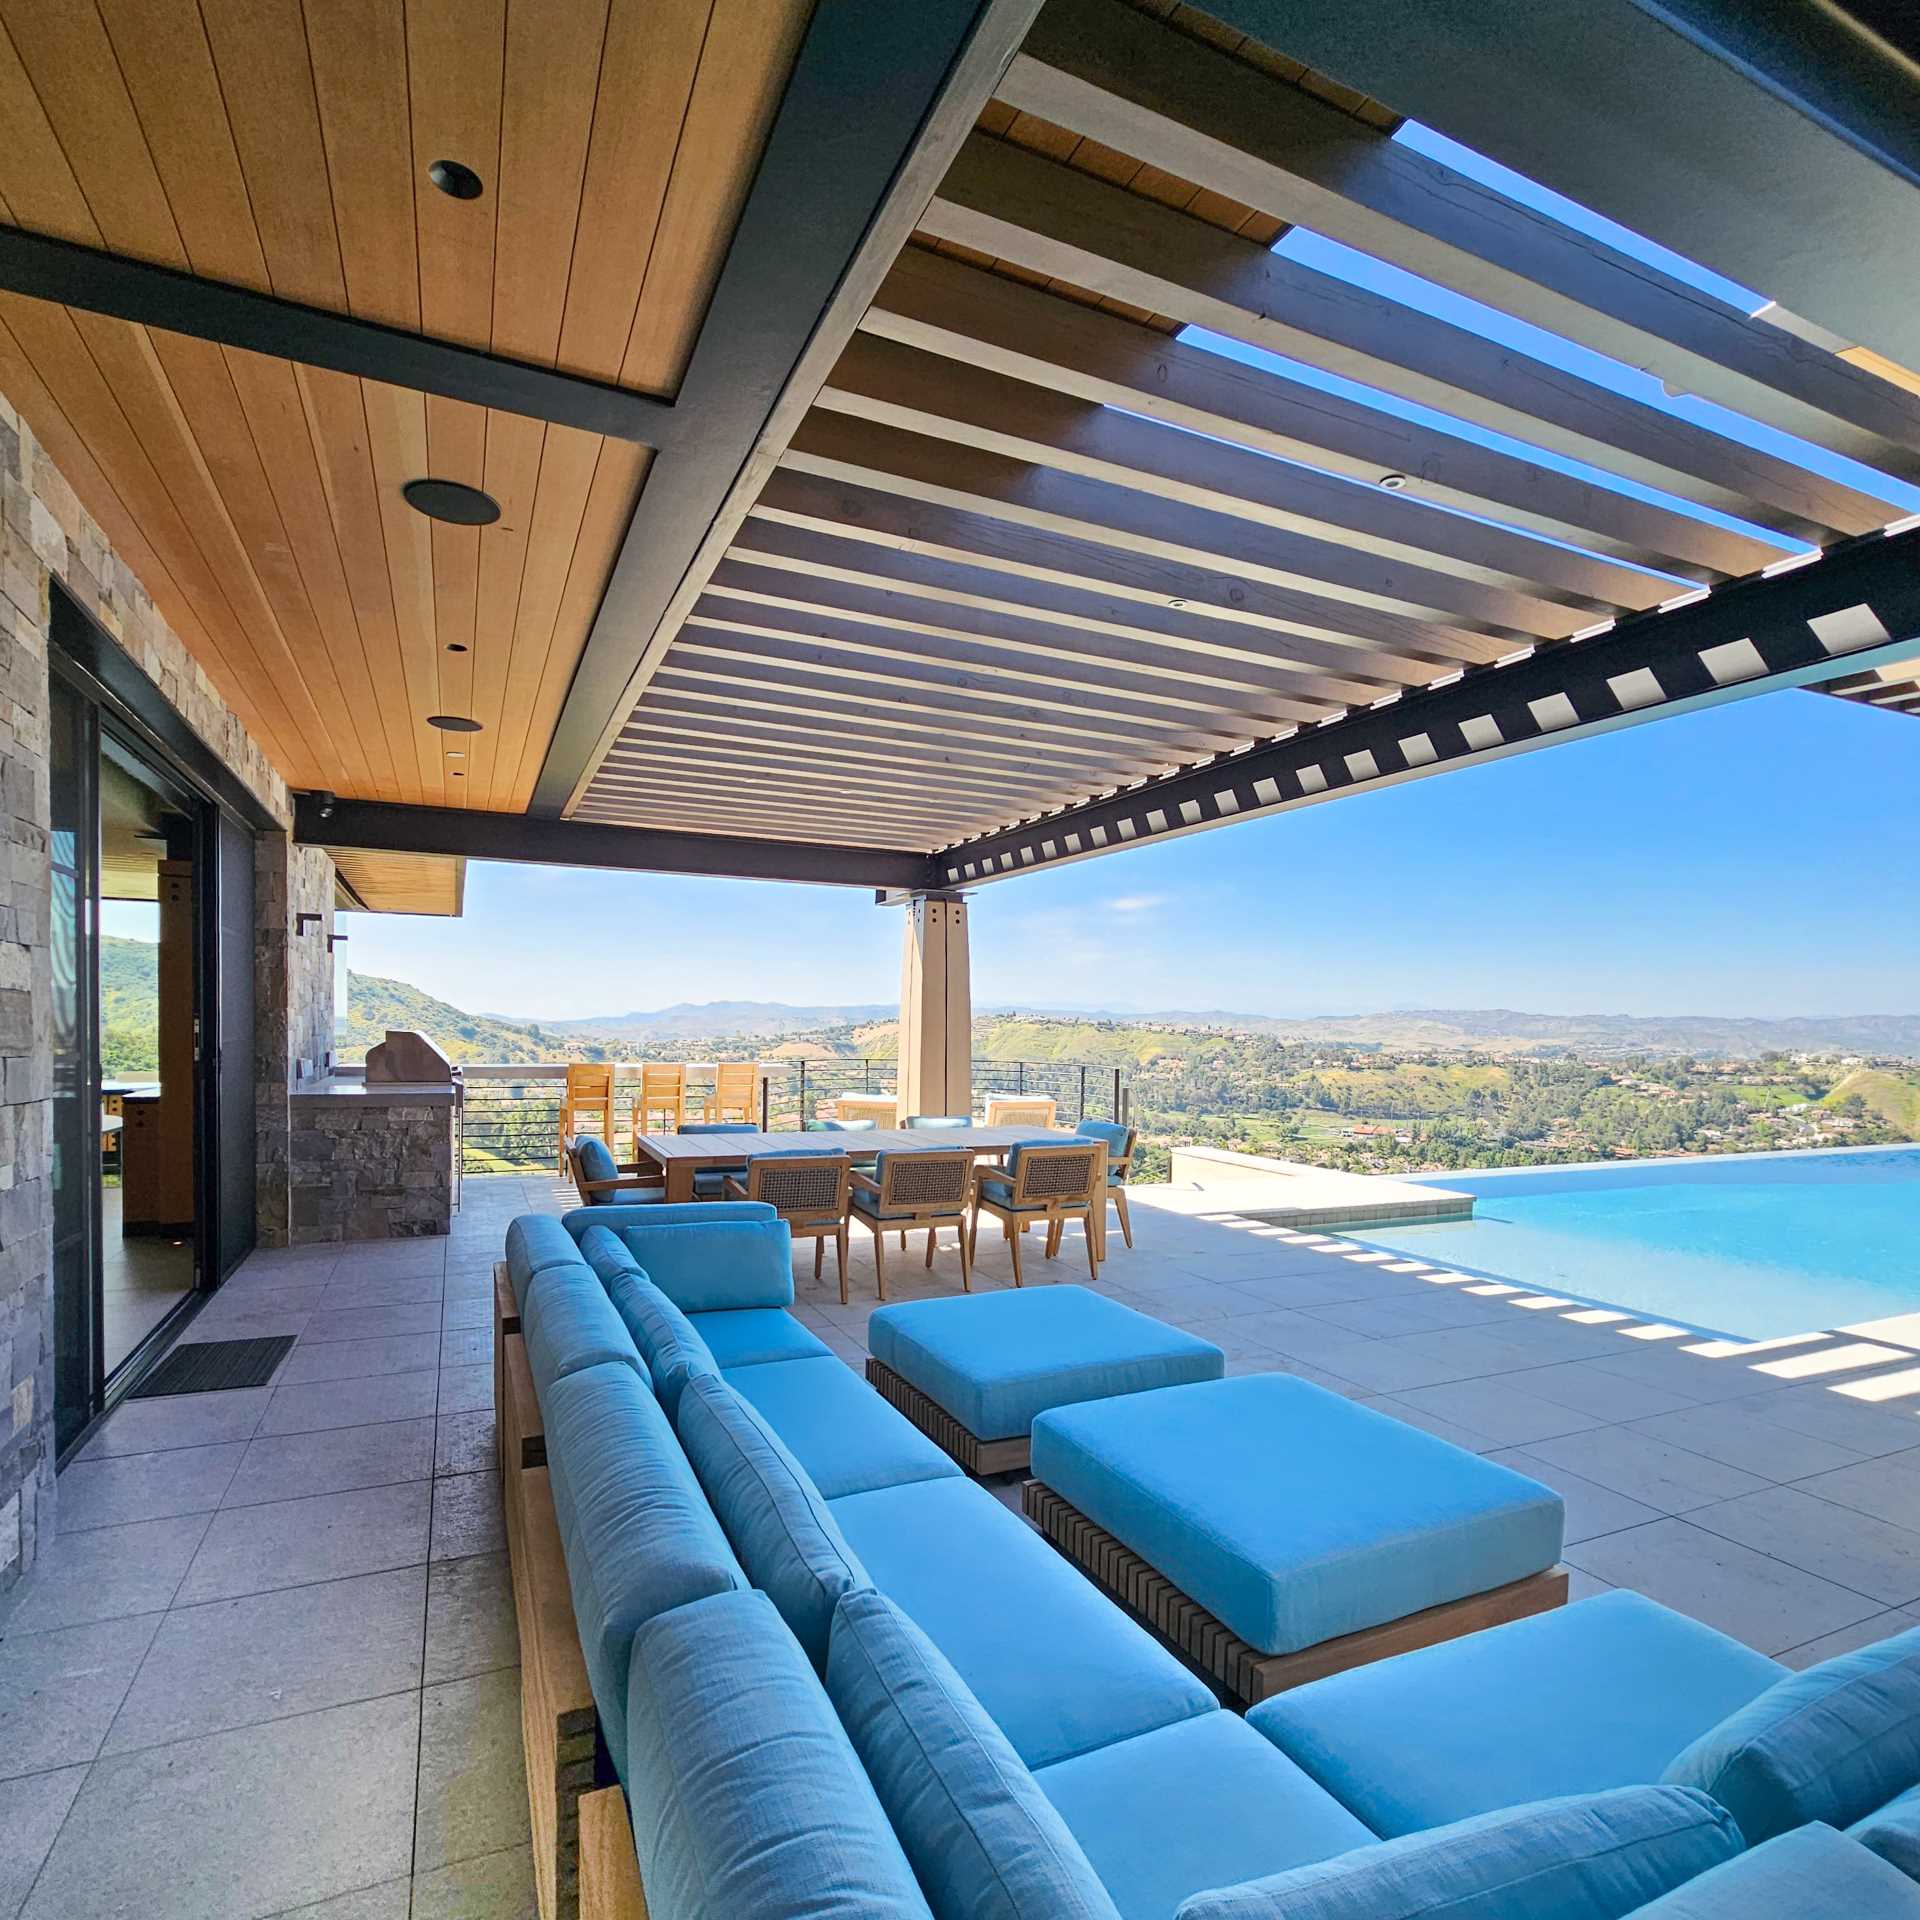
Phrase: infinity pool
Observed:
(1753, 1244)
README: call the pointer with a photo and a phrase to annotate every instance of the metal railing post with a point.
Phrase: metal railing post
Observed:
(766, 1091)
(803, 1096)
(1116, 1095)
(1083, 1091)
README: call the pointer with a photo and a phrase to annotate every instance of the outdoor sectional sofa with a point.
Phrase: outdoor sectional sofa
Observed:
(830, 1674)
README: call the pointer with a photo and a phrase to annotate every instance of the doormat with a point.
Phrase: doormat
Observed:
(215, 1366)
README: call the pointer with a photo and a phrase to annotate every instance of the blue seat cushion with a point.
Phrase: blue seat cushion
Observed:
(985, 1843)
(1059, 1667)
(996, 1360)
(1893, 1832)
(752, 1336)
(569, 1323)
(746, 1796)
(838, 1428)
(673, 1351)
(1831, 1744)
(703, 1266)
(650, 1210)
(1201, 1803)
(1812, 1873)
(1290, 1513)
(785, 1536)
(535, 1242)
(638, 1535)
(1595, 1857)
(869, 1203)
(1599, 1694)
(997, 1188)
(596, 1163)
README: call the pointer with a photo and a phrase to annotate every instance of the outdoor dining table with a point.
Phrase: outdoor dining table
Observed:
(679, 1156)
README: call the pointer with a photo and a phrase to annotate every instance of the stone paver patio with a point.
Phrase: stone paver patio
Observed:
(269, 1666)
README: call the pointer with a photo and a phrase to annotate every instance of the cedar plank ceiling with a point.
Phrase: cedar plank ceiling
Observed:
(284, 148)
(991, 578)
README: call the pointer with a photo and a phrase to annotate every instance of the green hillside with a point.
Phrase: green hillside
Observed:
(129, 1008)
(373, 1005)
(1891, 1097)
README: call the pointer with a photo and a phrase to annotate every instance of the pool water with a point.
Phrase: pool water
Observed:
(1757, 1245)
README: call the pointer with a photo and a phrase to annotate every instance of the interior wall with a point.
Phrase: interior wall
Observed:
(46, 535)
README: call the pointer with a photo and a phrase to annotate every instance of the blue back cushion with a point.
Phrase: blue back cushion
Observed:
(790, 1545)
(719, 1263)
(639, 1537)
(569, 1323)
(673, 1351)
(606, 1253)
(1832, 1744)
(1894, 1833)
(658, 1213)
(535, 1242)
(1598, 1857)
(596, 1163)
(1811, 1873)
(985, 1842)
(746, 1797)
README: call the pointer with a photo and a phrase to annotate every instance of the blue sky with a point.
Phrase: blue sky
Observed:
(1755, 858)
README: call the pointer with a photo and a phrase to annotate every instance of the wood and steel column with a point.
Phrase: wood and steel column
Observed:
(936, 1007)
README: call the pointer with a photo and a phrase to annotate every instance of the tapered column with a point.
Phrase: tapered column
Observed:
(936, 1007)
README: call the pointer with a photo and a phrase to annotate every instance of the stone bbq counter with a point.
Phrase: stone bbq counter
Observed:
(373, 1160)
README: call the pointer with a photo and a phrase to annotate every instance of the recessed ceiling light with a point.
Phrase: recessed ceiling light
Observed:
(456, 646)
(456, 181)
(1393, 482)
(449, 500)
(453, 723)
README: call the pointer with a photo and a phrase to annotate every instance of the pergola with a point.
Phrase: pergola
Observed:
(865, 499)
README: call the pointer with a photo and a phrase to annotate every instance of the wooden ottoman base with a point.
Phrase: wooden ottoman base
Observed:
(1247, 1673)
(946, 1433)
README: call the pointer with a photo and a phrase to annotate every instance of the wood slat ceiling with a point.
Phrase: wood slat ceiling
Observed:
(1026, 547)
(399, 882)
(284, 147)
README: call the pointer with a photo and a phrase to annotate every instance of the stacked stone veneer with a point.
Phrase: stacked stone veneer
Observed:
(292, 1011)
(367, 1169)
(46, 535)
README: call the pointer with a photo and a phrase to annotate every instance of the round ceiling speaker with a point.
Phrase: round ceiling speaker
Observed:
(449, 500)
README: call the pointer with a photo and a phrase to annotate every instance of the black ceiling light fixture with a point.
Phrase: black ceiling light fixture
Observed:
(457, 182)
(456, 646)
(451, 501)
(453, 723)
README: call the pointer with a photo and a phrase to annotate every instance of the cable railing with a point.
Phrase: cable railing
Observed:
(511, 1121)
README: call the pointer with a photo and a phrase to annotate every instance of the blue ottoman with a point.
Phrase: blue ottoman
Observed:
(1278, 1532)
(973, 1373)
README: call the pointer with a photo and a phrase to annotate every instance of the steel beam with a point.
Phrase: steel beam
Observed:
(135, 290)
(378, 827)
(880, 98)
(1857, 607)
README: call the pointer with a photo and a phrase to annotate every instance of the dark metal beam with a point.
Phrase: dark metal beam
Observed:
(1856, 607)
(377, 827)
(1663, 118)
(46, 269)
(880, 98)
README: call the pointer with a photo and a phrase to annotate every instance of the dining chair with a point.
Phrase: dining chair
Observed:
(1021, 1110)
(1042, 1184)
(663, 1090)
(911, 1190)
(807, 1188)
(601, 1180)
(589, 1089)
(735, 1090)
(709, 1183)
(933, 1122)
(1120, 1142)
(883, 1109)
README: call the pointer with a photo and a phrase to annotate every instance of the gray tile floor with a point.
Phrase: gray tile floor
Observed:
(270, 1667)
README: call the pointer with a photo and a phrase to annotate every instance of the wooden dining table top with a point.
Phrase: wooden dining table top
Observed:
(729, 1149)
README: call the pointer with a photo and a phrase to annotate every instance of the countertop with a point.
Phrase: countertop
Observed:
(382, 1093)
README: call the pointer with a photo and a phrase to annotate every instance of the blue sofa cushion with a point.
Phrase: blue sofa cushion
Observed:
(606, 1253)
(753, 1336)
(569, 1323)
(672, 1349)
(651, 1212)
(1599, 1694)
(1290, 1513)
(984, 1841)
(839, 1429)
(1197, 1804)
(638, 1535)
(1059, 1667)
(597, 1163)
(789, 1543)
(707, 1265)
(1893, 1832)
(1115, 1137)
(535, 1242)
(746, 1797)
(995, 1360)
(1596, 1857)
(1812, 1873)
(1830, 1744)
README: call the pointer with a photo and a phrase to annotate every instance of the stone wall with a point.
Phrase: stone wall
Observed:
(292, 1009)
(45, 534)
(369, 1169)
